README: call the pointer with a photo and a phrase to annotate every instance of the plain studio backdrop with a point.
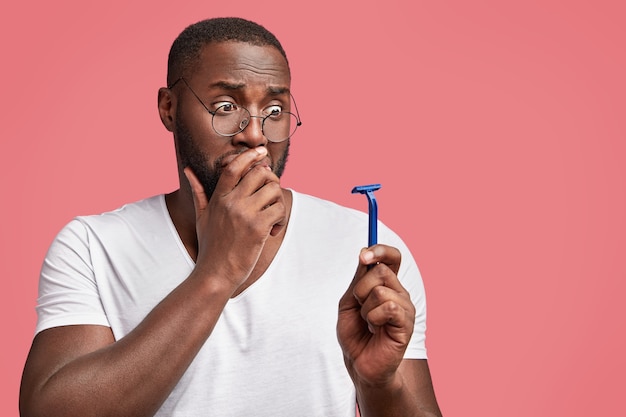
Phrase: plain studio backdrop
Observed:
(495, 127)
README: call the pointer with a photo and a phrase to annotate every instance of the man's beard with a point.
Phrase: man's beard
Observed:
(192, 156)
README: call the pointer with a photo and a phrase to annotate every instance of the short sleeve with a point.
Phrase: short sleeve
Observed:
(68, 292)
(411, 279)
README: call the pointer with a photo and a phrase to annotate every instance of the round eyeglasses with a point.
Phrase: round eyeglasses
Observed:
(230, 119)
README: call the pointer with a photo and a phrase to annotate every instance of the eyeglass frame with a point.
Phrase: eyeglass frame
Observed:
(263, 118)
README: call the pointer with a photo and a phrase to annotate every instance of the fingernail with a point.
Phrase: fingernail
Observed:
(262, 150)
(368, 256)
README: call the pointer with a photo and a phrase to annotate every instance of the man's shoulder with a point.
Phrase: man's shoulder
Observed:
(321, 214)
(303, 201)
(144, 220)
(139, 207)
(149, 212)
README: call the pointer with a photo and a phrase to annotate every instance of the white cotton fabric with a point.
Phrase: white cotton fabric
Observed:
(274, 350)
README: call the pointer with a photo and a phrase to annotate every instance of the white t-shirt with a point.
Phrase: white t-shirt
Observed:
(274, 350)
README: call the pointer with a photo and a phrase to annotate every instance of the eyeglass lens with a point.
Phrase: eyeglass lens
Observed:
(229, 121)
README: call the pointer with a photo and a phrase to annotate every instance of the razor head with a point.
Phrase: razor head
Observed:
(368, 190)
(364, 189)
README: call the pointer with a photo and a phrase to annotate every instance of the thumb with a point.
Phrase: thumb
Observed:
(200, 200)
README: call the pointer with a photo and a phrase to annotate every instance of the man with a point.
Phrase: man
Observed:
(221, 297)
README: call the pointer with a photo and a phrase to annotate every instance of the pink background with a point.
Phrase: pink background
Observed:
(496, 128)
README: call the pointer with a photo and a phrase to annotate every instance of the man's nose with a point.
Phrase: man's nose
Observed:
(252, 132)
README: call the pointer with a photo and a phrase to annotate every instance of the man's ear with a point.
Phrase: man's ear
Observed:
(167, 108)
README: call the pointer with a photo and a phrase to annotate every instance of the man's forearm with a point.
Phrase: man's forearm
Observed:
(132, 376)
(410, 394)
(391, 402)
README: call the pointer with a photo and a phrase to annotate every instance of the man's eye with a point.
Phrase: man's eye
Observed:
(226, 107)
(274, 111)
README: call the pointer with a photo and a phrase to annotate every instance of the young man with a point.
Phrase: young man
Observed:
(230, 296)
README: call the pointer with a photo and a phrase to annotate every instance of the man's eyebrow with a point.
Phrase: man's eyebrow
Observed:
(271, 90)
(227, 86)
(277, 91)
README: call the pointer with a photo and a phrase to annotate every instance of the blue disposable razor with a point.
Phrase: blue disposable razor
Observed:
(368, 190)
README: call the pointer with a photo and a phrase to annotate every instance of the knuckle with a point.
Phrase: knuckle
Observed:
(392, 307)
(358, 295)
(274, 186)
(379, 292)
(230, 205)
(230, 171)
(256, 170)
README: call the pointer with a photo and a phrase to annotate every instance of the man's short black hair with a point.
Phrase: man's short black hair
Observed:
(185, 51)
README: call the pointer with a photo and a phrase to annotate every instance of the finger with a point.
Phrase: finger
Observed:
(391, 314)
(378, 275)
(385, 263)
(278, 220)
(259, 190)
(380, 295)
(376, 254)
(256, 179)
(276, 228)
(270, 203)
(385, 254)
(200, 200)
(235, 167)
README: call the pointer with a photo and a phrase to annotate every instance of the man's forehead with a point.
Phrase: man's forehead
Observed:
(233, 57)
